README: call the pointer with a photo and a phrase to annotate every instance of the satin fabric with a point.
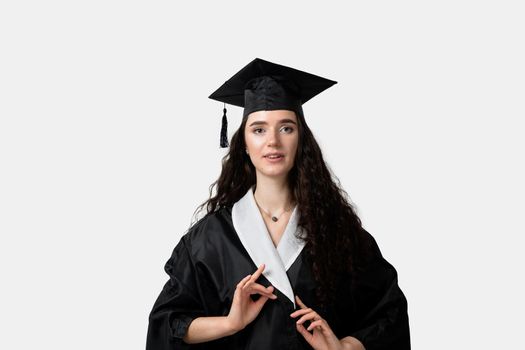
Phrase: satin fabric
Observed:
(270, 93)
(210, 260)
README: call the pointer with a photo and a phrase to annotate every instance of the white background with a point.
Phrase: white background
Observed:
(108, 143)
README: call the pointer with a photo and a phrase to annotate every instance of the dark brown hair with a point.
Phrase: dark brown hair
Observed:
(331, 224)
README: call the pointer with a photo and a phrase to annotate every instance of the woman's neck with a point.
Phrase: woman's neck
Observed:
(273, 195)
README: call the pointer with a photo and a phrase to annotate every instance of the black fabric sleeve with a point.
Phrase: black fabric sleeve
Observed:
(381, 305)
(178, 304)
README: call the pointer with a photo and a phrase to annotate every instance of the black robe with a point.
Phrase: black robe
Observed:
(224, 247)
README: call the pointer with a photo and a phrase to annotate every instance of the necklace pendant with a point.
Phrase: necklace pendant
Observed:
(274, 219)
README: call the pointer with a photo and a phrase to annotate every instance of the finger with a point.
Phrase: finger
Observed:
(260, 302)
(306, 335)
(323, 327)
(300, 302)
(251, 285)
(243, 281)
(301, 312)
(312, 316)
(258, 286)
(319, 324)
(258, 273)
(268, 295)
(258, 289)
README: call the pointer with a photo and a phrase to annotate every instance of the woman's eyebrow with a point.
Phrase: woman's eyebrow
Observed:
(282, 121)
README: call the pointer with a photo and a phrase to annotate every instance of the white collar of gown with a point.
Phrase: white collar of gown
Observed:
(251, 229)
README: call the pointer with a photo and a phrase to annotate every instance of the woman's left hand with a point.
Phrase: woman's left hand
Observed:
(322, 338)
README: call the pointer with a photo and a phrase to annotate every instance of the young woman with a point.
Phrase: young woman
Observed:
(280, 260)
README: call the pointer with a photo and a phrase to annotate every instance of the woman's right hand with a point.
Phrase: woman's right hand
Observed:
(244, 310)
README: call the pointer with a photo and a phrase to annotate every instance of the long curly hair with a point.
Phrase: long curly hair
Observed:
(328, 218)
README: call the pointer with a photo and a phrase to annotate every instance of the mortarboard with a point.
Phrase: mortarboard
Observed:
(263, 85)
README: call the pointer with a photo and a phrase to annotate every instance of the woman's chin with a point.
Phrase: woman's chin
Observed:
(276, 172)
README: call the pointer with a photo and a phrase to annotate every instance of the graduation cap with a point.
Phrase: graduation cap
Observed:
(263, 85)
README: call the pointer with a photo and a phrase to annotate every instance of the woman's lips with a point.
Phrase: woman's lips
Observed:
(274, 160)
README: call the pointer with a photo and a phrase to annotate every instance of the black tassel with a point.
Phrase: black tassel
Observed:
(224, 130)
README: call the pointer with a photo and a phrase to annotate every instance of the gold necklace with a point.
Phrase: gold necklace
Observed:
(274, 217)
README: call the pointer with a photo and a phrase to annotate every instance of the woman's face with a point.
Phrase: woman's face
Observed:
(272, 132)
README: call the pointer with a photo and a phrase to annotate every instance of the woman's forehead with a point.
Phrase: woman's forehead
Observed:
(274, 116)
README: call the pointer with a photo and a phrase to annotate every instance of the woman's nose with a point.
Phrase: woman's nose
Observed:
(273, 137)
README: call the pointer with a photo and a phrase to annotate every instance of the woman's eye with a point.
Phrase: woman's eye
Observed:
(287, 129)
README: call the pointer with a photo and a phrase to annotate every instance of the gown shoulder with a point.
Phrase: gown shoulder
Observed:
(183, 297)
(209, 226)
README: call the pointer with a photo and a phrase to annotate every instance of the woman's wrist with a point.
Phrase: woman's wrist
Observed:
(203, 329)
(229, 326)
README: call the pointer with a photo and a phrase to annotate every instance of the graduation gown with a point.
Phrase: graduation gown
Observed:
(227, 245)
